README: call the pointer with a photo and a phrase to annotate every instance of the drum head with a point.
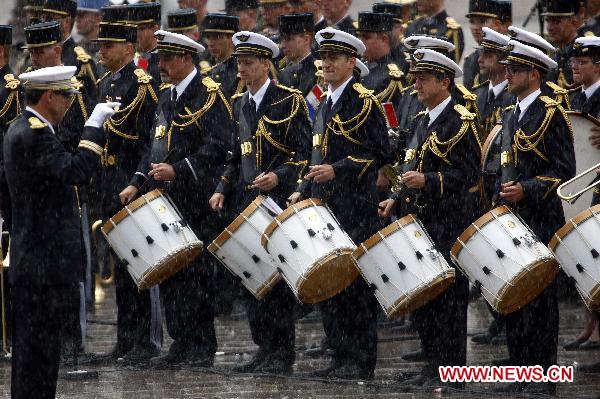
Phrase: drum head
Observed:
(586, 156)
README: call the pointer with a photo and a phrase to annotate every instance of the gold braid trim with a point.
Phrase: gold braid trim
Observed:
(118, 119)
(556, 182)
(443, 148)
(367, 163)
(12, 84)
(388, 93)
(262, 131)
(192, 117)
(82, 105)
(526, 143)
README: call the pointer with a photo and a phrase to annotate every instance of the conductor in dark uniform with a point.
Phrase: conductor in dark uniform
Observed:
(301, 68)
(45, 254)
(270, 151)
(493, 14)
(434, 21)
(350, 144)
(440, 172)
(138, 312)
(189, 176)
(537, 146)
(217, 30)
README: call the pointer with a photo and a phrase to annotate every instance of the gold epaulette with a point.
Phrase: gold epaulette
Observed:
(82, 55)
(36, 123)
(452, 24)
(102, 78)
(237, 95)
(477, 86)
(210, 84)
(164, 86)
(282, 63)
(362, 90)
(394, 71)
(465, 115)
(556, 89)
(142, 76)
(77, 84)
(510, 107)
(467, 95)
(205, 67)
(11, 82)
(407, 88)
(290, 89)
(550, 102)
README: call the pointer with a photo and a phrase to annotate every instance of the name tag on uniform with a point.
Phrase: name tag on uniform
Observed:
(317, 140)
(246, 148)
(160, 132)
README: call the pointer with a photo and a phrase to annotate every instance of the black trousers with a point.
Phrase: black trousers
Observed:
(272, 322)
(188, 298)
(134, 314)
(532, 331)
(350, 323)
(38, 313)
(442, 326)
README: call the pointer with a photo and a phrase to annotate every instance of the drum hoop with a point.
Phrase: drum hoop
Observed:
(479, 223)
(584, 115)
(571, 224)
(387, 231)
(287, 213)
(132, 207)
(488, 144)
(237, 222)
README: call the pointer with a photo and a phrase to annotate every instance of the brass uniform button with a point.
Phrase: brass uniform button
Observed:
(111, 160)
(407, 200)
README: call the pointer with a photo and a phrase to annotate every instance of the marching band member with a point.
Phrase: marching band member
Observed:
(349, 145)
(271, 149)
(189, 176)
(139, 331)
(46, 251)
(441, 172)
(493, 14)
(537, 154)
(147, 17)
(403, 14)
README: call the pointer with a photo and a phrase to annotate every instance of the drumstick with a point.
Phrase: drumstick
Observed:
(165, 159)
(497, 195)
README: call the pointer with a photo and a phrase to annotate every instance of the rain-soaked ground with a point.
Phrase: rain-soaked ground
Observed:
(235, 346)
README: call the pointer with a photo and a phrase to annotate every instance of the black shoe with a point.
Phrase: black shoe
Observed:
(259, 357)
(573, 345)
(540, 388)
(591, 368)
(505, 361)
(117, 352)
(324, 372)
(589, 345)
(352, 372)
(418, 380)
(513, 387)
(405, 375)
(275, 365)
(483, 339)
(138, 355)
(415, 356)
(499, 340)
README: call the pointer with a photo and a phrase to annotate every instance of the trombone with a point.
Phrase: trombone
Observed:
(572, 197)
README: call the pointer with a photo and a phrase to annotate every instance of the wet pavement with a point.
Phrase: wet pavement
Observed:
(236, 346)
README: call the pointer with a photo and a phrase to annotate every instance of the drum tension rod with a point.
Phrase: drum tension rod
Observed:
(255, 258)
(134, 253)
(477, 284)
(419, 255)
(330, 227)
(385, 278)
(149, 239)
(294, 244)
(401, 265)
(281, 258)
(164, 227)
(373, 287)
(247, 274)
(579, 268)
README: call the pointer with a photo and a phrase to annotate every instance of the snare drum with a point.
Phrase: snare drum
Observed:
(151, 238)
(402, 266)
(238, 249)
(577, 246)
(311, 250)
(502, 256)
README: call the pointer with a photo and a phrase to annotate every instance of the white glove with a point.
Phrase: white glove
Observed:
(101, 113)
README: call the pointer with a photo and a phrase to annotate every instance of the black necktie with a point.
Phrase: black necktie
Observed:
(252, 104)
(491, 96)
(171, 107)
(516, 116)
(426, 121)
(583, 98)
(327, 108)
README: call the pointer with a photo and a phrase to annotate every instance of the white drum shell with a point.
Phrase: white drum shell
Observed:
(480, 250)
(130, 234)
(402, 246)
(236, 253)
(299, 261)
